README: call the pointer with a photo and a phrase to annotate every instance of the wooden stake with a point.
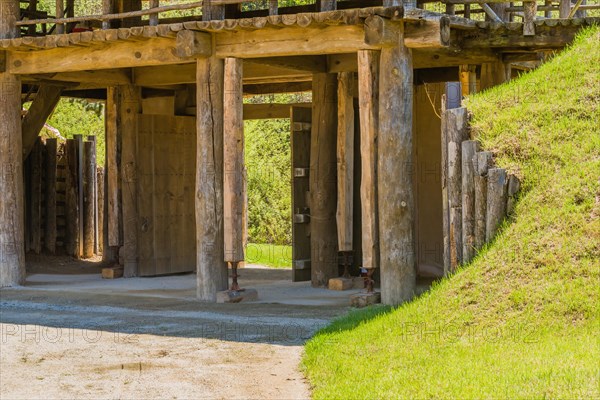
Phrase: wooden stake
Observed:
(36, 196)
(483, 161)
(395, 164)
(345, 160)
(368, 99)
(456, 126)
(469, 148)
(112, 170)
(100, 210)
(233, 159)
(72, 200)
(129, 108)
(211, 269)
(496, 201)
(89, 171)
(323, 239)
(50, 229)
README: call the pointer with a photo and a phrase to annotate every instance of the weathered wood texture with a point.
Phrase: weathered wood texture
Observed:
(493, 74)
(456, 131)
(469, 149)
(300, 138)
(482, 160)
(345, 160)
(89, 193)
(529, 14)
(395, 163)
(71, 200)
(80, 193)
(233, 161)
(50, 198)
(368, 99)
(100, 179)
(112, 170)
(42, 106)
(323, 191)
(37, 160)
(496, 201)
(211, 269)
(129, 108)
(444, 184)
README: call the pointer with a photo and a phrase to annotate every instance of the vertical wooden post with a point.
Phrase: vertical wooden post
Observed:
(89, 172)
(12, 257)
(368, 100)
(50, 231)
(444, 182)
(210, 12)
(328, 5)
(395, 164)
(345, 160)
(233, 160)
(153, 19)
(211, 269)
(455, 124)
(100, 210)
(36, 196)
(72, 200)
(107, 8)
(130, 5)
(60, 13)
(529, 14)
(482, 160)
(514, 184)
(80, 193)
(323, 188)
(112, 170)
(564, 8)
(129, 108)
(496, 201)
(32, 8)
(500, 10)
(469, 149)
(273, 7)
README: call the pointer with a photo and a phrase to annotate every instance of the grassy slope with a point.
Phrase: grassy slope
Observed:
(522, 320)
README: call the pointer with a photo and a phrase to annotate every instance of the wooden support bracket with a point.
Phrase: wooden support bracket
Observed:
(431, 32)
(193, 44)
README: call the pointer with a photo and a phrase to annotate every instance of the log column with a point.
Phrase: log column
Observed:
(394, 174)
(345, 165)
(129, 108)
(12, 251)
(233, 164)
(211, 269)
(323, 188)
(368, 100)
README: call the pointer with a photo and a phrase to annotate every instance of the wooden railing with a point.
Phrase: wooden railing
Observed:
(495, 10)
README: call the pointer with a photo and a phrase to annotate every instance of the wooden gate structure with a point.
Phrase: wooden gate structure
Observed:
(204, 64)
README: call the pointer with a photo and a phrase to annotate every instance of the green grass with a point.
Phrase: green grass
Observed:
(269, 255)
(522, 320)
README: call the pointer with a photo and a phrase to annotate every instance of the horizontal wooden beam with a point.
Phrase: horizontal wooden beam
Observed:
(289, 87)
(104, 78)
(262, 111)
(117, 54)
(299, 63)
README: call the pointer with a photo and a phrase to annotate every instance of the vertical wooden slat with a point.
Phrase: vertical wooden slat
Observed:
(153, 19)
(50, 231)
(496, 201)
(100, 210)
(80, 193)
(345, 160)
(328, 5)
(368, 99)
(129, 108)
(395, 164)
(455, 123)
(233, 159)
(273, 7)
(72, 200)
(60, 13)
(469, 149)
(564, 8)
(89, 172)
(323, 239)
(36, 196)
(107, 8)
(483, 161)
(529, 14)
(112, 170)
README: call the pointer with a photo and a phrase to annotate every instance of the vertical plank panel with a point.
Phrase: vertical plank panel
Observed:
(50, 229)
(345, 160)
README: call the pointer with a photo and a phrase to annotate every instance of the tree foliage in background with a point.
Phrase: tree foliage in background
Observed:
(268, 164)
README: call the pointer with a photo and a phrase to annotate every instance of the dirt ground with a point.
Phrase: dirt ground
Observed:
(100, 342)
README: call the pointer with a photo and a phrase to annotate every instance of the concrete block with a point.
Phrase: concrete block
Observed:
(112, 272)
(365, 299)
(358, 282)
(237, 296)
(340, 283)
